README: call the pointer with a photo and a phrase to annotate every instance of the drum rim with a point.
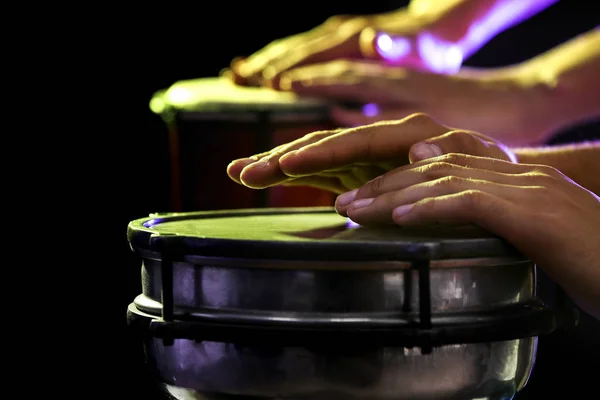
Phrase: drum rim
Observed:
(519, 321)
(145, 240)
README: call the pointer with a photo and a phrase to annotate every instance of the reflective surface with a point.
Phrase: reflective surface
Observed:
(339, 291)
(469, 371)
(292, 267)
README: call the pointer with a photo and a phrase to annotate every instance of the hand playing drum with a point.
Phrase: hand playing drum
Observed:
(415, 171)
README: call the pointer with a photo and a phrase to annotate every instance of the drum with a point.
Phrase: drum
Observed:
(211, 121)
(299, 303)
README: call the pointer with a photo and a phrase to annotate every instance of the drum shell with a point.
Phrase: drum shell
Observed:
(203, 144)
(307, 267)
(495, 371)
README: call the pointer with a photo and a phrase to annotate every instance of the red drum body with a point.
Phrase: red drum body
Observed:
(211, 122)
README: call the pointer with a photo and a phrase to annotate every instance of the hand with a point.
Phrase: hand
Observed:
(350, 37)
(509, 104)
(345, 159)
(543, 213)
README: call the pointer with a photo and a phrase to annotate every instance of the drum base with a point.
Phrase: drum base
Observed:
(176, 393)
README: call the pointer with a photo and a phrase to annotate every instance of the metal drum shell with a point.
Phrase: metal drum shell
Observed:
(301, 288)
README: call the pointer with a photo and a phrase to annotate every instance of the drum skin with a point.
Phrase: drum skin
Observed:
(211, 122)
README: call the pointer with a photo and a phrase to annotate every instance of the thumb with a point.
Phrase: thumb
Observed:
(422, 151)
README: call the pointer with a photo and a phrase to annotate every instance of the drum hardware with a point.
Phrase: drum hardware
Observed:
(423, 328)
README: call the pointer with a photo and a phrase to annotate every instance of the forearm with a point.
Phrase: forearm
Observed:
(470, 24)
(568, 75)
(580, 162)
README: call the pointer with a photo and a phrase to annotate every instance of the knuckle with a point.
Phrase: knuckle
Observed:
(547, 171)
(475, 199)
(436, 170)
(421, 118)
(426, 206)
(372, 188)
(425, 121)
(454, 159)
(463, 139)
(449, 181)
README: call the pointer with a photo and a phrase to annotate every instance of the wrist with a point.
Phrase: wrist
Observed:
(538, 106)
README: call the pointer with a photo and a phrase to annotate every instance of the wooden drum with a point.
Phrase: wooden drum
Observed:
(212, 121)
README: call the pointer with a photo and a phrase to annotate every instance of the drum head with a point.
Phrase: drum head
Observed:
(221, 95)
(306, 234)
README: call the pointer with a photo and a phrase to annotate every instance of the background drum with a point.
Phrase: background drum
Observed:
(211, 121)
(299, 304)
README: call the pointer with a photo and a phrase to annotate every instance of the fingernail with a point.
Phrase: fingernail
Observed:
(360, 203)
(427, 150)
(262, 163)
(346, 198)
(402, 210)
(289, 154)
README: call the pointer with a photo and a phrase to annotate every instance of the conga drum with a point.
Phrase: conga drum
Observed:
(211, 121)
(298, 303)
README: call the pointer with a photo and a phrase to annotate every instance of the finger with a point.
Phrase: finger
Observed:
(369, 114)
(235, 167)
(331, 184)
(382, 141)
(379, 209)
(335, 40)
(403, 178)
(254, 66)
(331, 88)
(265, 170)
(398, 50)
(355, 176)
(320, 50)
(488, 211)
(459, 141)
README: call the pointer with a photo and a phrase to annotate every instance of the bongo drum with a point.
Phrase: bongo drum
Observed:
(212, 121)
(297, 303)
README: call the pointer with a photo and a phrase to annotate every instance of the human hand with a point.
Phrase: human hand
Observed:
(540, 211)
(509, 104)
(342, 160)
(392, 37)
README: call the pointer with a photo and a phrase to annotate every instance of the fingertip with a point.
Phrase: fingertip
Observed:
(367, 43)
(248, 179)
(285, 83)
(235, 168)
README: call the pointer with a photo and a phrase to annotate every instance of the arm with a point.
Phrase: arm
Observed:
(580, 162)
(566, 79)
(472, 23)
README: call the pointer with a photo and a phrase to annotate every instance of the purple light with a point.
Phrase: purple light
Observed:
(445, 57)
(370, 110)
(502, 16)
(351, 224)
(392, 48)
(438, 55)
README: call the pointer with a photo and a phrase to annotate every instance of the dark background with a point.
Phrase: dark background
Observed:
(163, 44)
